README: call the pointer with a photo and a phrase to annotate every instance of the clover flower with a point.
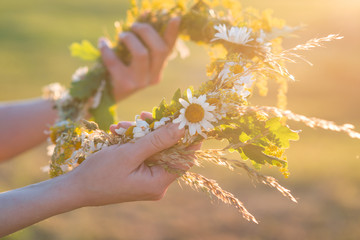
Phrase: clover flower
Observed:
(234, 35)
(196, 114)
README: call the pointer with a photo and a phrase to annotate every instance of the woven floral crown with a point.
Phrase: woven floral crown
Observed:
(245, 49)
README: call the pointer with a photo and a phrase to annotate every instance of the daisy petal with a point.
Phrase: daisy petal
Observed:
(177, 120)
(192, 129)
(201, 99)
(211, 108)
(183, 102)
(198, 128)
(182, 124)
(189, 94)
(208, 126)
(209, 116)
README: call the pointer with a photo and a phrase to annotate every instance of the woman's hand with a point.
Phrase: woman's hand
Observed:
(149, 52)
(113, 175)
(118, 173)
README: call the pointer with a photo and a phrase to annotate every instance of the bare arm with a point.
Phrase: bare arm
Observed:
(113, 175)
(23, 125)
(25, 206)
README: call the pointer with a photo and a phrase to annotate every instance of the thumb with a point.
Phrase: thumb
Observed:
(155, 142)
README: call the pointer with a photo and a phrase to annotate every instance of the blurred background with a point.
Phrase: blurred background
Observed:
(324, 166)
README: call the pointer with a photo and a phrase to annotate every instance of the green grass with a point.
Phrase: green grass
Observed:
(34, 40)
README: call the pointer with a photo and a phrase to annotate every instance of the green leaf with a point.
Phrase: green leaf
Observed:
(158, 112)
(256, 154)
(87, 86)
(84, 50)
(281, 132)
(163, 105)
(244, 137)
(177, 95)
(104, 114)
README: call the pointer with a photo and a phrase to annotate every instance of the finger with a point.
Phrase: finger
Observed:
(109, 58)
(161, 177)
(184, 166)
(150, 36)
(172, 31)
(194, 147)
(146, 115)
(154, 142)
(140, 57)
(123, 124)
(157, 46)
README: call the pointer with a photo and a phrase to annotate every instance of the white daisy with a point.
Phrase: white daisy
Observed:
(120, 131)
(243, 85)
(243, 82)
(234, 35)
(196, 114)
(50, 149)
(65, 168)
(160, 123)
(79, 74)
(261, 37)
(180, 49)
(98, 95)
(141, 128)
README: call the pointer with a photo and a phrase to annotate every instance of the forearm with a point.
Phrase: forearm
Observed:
(25, 206)
(23, 125)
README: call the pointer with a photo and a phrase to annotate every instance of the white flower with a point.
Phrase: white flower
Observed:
(54, 91)
(98, 94)
(234, 35)
(66, 168)
(50, 149)
(141, 129)
(261, 37)
(160, 123)
(243, 82)
(196, 114)
(243, 85)
(120, 131)
(45, 169)
(79, 74)
(225, 72)
(180, 49)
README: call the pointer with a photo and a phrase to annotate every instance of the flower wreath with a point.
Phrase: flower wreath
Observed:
(245, 49)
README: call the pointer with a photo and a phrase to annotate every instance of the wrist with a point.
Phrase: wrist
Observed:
(69, 191)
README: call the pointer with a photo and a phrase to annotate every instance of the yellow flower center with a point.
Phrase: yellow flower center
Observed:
(194, 113)
(236, 69)
(213, 101)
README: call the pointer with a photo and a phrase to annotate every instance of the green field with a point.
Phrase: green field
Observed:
(34, 40)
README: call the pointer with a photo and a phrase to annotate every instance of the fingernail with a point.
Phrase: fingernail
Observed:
(122, 35)
(135, 25)
(176, 19)
(102, 43)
